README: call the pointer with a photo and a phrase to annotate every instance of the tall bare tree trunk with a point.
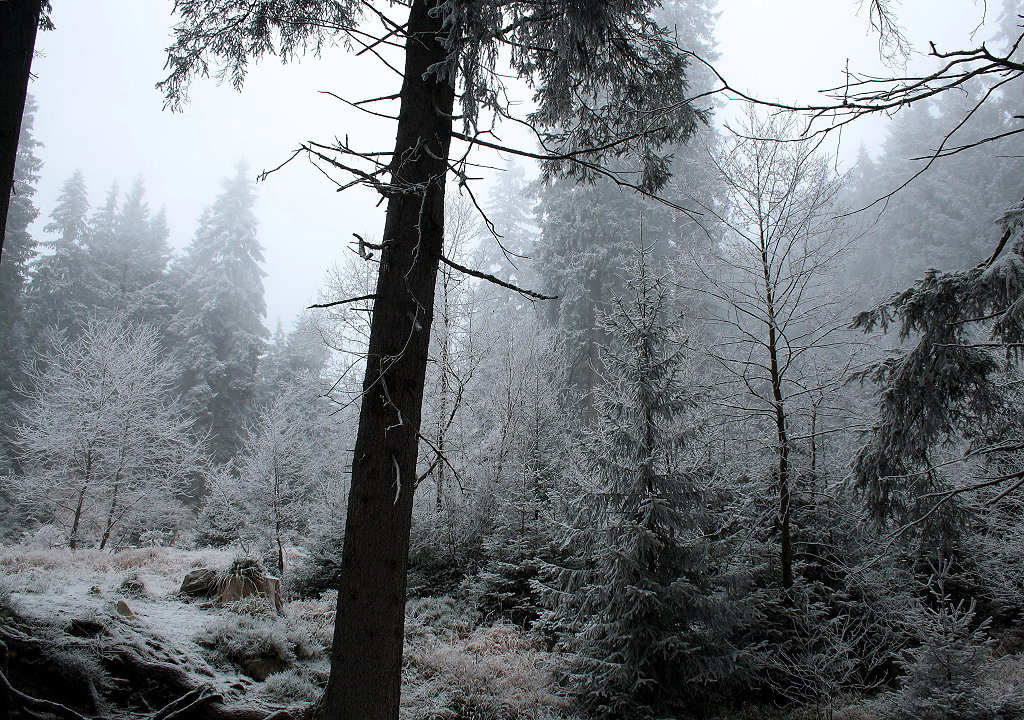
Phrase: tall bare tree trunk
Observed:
(366, 660)
(19, 21)
(77, 519)
(442, 415)
(781, 431)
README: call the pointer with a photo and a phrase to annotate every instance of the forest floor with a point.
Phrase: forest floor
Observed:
(71, 617)
(111, 635)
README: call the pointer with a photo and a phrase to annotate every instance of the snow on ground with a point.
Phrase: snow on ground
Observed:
(55, 587)
(451, 661)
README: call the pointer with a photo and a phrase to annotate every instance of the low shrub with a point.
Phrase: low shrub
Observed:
(258, 648)
(496, 673)
(290, 686)
(440, 616)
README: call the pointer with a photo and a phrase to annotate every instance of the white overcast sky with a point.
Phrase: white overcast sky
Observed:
(99, 111)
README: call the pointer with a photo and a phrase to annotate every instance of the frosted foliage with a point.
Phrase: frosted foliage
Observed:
(104, 441)
(218, 321)
(632, 600)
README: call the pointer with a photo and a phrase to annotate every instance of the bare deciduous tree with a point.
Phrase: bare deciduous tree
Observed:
(782, 241)
(101, 437)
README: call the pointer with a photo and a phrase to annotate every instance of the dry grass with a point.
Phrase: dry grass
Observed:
(15, 559)
(496, 673)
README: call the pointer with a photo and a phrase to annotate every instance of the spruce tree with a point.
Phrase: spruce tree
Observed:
(608, 83)
(19, 248)
(218, 324)
(581, 258)
(64, 286)
(131, 251)
(508, 233)
(634, 598)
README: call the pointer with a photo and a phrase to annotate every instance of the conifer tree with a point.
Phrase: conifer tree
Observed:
(635, 600)
(955, 383)
(300, 354)
(507, 253)
(19, 248)
(64, 286)
(608, 83)
(943, 218)
(131, 252)
(218, 325)
(581, 258)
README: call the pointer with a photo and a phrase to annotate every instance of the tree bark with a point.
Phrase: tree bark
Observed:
(781, 432)
(19, 21)
(366, 661)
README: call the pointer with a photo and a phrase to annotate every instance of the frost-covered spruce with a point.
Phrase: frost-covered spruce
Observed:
(218, 323)
(632, 599)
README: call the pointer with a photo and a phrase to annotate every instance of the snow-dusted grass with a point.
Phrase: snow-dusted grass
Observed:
(454, 669)
(56, 586)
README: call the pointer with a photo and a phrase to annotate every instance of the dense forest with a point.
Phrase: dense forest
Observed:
(741, 443)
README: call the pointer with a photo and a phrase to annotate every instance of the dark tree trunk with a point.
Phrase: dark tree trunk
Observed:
(76, 521)
(366, 661)
(19, 20)
(781, 432)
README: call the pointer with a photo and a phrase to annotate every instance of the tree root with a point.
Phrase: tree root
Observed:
(140, 662)
(11, 698)
(202, 704)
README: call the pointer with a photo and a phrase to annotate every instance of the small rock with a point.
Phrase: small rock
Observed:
(122, 609)
(199, 583)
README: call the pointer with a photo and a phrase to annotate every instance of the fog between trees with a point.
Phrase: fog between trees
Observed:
(757, 459)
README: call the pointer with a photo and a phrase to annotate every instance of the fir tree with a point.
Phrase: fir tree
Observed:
(19, 246)
(636, 601)
(300, 354)
(581, 258)
(509, 238)
(218, 324)
(69, 220)
(943, 218)
(950, 384)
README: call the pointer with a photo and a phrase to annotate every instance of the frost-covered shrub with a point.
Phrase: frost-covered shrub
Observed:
(254, 606)
(317, 616)
(497, 673)
(259, 647)
(290, 686)
(132, 585)
(6, 601)
(442, 616)
(260, 644)
(45, 537)
(319, 570)
(245, 567)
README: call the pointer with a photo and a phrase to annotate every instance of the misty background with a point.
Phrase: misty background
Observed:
(99, 112)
